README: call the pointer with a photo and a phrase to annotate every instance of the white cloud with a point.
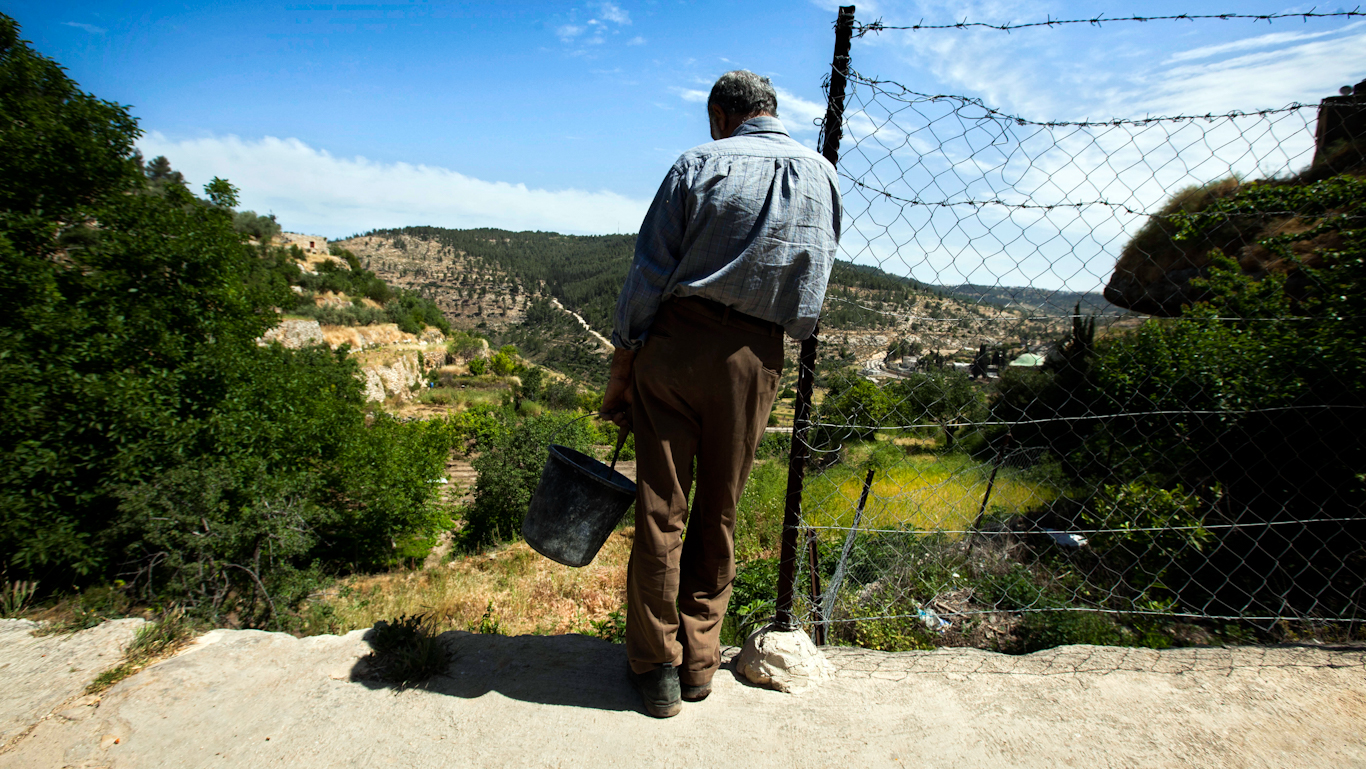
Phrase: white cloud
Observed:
(1261, 41)
(568, 32)
(311, 190)
(1302, 73)
(91, 28)
(613, 13)
(637, 40)
(798, 114)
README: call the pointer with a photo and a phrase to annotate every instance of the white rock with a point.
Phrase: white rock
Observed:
(785, 660)
(293, 334)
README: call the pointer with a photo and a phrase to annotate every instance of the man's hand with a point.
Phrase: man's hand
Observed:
(616, 401)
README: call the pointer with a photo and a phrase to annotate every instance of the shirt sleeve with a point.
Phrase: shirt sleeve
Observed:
(658, 251)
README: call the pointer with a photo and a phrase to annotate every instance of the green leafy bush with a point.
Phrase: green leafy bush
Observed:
(144, 433)
(464, 344)
(509, 469)
(261, 227)
(1146, 533)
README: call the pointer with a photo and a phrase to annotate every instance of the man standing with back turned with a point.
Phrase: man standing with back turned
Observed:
(735, 250)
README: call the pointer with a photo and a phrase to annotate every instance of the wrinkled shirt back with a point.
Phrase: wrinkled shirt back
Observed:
(751, 221)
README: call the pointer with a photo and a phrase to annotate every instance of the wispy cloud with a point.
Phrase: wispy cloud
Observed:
(568, 32)
(1253, 43)
(637, 40)
(798, 114)
(91, 28)
(311, 190)
(1267, 79)
(613, 13)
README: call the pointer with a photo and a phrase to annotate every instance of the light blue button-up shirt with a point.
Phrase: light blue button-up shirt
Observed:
(751, 221)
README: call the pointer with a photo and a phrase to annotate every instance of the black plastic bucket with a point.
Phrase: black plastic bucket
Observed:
(576, 505)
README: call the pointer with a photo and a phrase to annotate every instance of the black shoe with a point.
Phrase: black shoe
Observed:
(659, 689)
(696, 693)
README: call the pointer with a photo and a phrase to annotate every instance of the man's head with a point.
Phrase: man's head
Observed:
(738, 96)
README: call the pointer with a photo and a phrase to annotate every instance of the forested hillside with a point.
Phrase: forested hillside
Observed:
(500, 283)
(1036, 300)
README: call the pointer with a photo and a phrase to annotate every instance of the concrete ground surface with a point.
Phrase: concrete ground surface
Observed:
(257, 700)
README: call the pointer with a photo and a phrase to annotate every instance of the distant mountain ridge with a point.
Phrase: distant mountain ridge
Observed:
(1048, 302)
(502, 283)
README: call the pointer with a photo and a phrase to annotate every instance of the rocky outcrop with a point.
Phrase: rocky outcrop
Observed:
(294, 334)
(366, 337)
(389, 372)
(1155, 272)
(399, 379)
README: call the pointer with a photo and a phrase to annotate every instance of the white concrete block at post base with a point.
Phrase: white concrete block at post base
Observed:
(785, 660)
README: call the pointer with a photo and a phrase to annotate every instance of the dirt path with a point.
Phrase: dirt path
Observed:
(603, 342)
(257, 700)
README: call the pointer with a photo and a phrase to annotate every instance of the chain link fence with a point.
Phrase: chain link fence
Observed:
(990, 442)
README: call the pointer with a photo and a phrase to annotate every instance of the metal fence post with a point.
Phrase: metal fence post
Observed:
(806, 367)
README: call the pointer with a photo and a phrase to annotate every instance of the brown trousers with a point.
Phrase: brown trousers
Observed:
(704, 384)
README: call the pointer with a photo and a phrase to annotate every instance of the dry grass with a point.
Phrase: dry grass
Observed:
(528, 593)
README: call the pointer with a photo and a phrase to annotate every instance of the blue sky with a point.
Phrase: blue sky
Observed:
(564, 116)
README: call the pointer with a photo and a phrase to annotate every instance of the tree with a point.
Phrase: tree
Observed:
(261, 227)
(509, 469)
(144, 433)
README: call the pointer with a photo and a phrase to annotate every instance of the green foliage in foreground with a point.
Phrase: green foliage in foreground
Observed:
(143, 432)
(510, 467)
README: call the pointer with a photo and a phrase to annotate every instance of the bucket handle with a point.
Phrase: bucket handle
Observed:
(622, 434)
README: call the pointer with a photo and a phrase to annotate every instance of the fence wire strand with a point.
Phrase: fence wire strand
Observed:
(877, 26)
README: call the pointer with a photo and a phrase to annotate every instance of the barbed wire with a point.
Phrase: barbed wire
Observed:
(1089, 204)
(861, 29)
(909, 96)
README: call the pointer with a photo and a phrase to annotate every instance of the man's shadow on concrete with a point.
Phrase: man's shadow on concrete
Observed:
(572, 670)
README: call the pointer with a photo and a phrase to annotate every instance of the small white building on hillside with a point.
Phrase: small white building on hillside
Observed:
(310, 244)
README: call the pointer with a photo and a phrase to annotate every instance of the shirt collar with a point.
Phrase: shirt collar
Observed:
(763, 124)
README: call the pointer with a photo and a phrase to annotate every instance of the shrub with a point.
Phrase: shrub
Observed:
(1147, 533)
(503, 362)
(532, 380)
(509, 469)
(560, 394)
(261, 227)
(1047, 629)
(464, 344)
(406, 651)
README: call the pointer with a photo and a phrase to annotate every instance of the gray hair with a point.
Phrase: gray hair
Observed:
(742, 93)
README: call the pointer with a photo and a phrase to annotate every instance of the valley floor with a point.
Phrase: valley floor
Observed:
(254, 699)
